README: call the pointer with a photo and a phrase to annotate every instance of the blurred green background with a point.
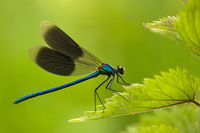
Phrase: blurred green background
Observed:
(112, 30)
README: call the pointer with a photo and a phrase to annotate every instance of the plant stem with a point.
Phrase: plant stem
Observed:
(195, 102)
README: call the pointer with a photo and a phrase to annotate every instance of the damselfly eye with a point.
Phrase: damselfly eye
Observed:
(121, 69)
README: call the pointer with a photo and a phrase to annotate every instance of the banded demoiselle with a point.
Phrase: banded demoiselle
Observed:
(67, 58)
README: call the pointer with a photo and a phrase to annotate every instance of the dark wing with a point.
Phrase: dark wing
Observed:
(66, 57)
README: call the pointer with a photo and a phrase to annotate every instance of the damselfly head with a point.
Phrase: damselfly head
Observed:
(121, 69)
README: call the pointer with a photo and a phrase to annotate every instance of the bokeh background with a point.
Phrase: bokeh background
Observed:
(112, 30)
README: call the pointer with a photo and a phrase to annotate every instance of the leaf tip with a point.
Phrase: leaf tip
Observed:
(145, 26)
(77, 120)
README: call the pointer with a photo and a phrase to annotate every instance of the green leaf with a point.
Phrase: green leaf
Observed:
(164, 27)
(185, 28)
(188, 26)
(185, 1)
(163, 24)
(173, 88)
(184, 117)
(153, 129)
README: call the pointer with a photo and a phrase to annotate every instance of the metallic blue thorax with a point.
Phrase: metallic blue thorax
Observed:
(106, 69)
